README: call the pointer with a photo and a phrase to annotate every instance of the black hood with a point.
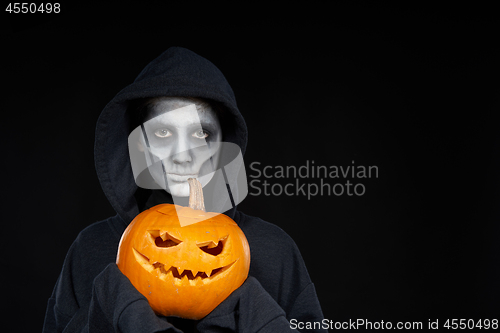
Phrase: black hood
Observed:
(176, 72)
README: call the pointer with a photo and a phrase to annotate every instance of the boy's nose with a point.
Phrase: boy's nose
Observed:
(182, 152)
(182, 157)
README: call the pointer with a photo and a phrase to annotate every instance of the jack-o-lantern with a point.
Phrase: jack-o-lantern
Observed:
(184, 260)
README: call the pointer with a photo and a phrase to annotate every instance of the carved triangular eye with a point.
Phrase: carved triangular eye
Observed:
(212, 248)
(163, 239)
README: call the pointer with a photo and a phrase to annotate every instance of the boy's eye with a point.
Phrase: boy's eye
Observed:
(200, 134)
(163, 133)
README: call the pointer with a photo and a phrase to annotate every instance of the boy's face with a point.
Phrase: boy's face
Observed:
(181, 143)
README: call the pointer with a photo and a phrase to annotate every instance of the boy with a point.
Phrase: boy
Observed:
(91, 293)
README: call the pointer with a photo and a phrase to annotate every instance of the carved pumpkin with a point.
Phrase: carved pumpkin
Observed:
(185, 261)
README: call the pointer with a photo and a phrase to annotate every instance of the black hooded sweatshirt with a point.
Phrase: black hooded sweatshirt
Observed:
(92, 295)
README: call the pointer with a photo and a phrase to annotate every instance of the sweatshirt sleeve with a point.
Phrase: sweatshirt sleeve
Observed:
(66, 311)
(92, 295)
(307, 309)
(115, 306)
(278, 266)
(250, 309)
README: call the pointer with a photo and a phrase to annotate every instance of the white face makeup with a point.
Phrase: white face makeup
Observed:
(180, 143)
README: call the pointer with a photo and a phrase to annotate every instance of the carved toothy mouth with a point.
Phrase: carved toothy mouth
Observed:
(177, 273)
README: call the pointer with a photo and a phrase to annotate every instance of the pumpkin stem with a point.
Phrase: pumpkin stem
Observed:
(196, 195)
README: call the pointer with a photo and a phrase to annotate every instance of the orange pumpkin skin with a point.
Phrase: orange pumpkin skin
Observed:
(184, 271)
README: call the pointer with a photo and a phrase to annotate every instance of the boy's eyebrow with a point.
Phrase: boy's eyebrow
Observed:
(203, 123)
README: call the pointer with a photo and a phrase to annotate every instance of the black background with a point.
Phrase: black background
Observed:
(411, 89)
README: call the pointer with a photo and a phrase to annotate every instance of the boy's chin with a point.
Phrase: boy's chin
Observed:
(182, 189)
(179, 190)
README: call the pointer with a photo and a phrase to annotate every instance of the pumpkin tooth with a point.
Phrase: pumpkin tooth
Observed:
(194, 273)
(197, 281)
(180, 270)
(164, 236)
(165, 274)
(209, 272)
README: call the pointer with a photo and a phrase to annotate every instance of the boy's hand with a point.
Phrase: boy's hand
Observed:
(250, 307)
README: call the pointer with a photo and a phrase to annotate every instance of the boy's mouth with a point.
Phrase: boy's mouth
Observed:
(180, 178)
